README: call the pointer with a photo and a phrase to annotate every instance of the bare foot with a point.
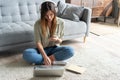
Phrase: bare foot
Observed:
(52, 58)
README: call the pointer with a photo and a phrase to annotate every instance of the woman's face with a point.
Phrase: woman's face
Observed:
(49, 16)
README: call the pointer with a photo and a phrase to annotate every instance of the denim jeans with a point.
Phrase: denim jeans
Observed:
(32, 55)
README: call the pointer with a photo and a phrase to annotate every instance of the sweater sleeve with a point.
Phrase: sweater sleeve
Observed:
(62, 30)
(37, 33)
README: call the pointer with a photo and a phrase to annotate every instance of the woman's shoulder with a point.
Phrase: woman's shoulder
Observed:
(37, 23)
(59, 20)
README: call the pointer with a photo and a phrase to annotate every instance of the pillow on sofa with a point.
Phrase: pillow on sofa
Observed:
(68, 11)
(61, 7)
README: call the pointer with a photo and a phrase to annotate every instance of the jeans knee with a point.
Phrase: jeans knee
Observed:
(28, 52)
(30, 55)
(69, 51)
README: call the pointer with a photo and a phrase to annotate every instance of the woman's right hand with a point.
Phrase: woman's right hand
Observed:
(47, 61)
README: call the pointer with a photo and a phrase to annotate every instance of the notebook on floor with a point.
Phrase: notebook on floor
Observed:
(75, 68)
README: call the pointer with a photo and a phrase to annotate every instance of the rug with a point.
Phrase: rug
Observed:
(100, 65)
(20, 70)
(103, 28)
(99, 55)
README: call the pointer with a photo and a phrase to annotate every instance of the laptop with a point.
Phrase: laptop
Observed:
(57, 69)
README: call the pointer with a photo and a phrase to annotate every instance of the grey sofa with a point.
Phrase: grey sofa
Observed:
(17, 18)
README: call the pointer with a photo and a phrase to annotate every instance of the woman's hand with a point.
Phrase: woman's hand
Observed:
(53, 38)
(47, 61)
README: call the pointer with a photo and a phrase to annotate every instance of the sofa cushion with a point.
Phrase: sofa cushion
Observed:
(61, 7)
(74, 28)
(31, 23)
(14, 33)
(68, 11)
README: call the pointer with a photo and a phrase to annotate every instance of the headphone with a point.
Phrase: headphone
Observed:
(50, 1)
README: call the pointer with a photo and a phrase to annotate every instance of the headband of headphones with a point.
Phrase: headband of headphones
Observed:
(50, 1)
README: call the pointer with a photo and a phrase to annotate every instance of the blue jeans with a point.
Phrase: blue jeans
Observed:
(32, 55)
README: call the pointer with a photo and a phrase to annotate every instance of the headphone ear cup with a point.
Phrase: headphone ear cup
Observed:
(56, 9)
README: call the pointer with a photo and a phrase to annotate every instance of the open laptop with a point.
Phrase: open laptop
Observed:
(57, 69)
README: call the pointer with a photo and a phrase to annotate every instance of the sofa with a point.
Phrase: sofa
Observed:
(17, 18)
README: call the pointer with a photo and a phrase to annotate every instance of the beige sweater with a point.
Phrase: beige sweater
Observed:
(45, 40)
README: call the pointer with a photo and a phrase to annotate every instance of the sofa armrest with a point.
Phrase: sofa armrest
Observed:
(86, 17)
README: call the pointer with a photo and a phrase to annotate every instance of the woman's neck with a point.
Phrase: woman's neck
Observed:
(49, 24)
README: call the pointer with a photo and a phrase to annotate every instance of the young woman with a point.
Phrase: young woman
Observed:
(48, 33)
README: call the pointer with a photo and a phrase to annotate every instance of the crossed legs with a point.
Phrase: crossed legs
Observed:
(58, 53)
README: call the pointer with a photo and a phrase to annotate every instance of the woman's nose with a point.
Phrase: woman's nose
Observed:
(49, 17)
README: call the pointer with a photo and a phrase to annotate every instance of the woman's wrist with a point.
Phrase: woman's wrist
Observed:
(58, 40)
(44, 55)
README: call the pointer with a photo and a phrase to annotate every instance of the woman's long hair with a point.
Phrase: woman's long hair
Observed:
(45, 7)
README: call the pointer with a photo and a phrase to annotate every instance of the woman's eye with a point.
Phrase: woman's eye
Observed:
(51, 14)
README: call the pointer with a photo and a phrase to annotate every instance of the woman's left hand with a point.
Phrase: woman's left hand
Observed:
(54, 38)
